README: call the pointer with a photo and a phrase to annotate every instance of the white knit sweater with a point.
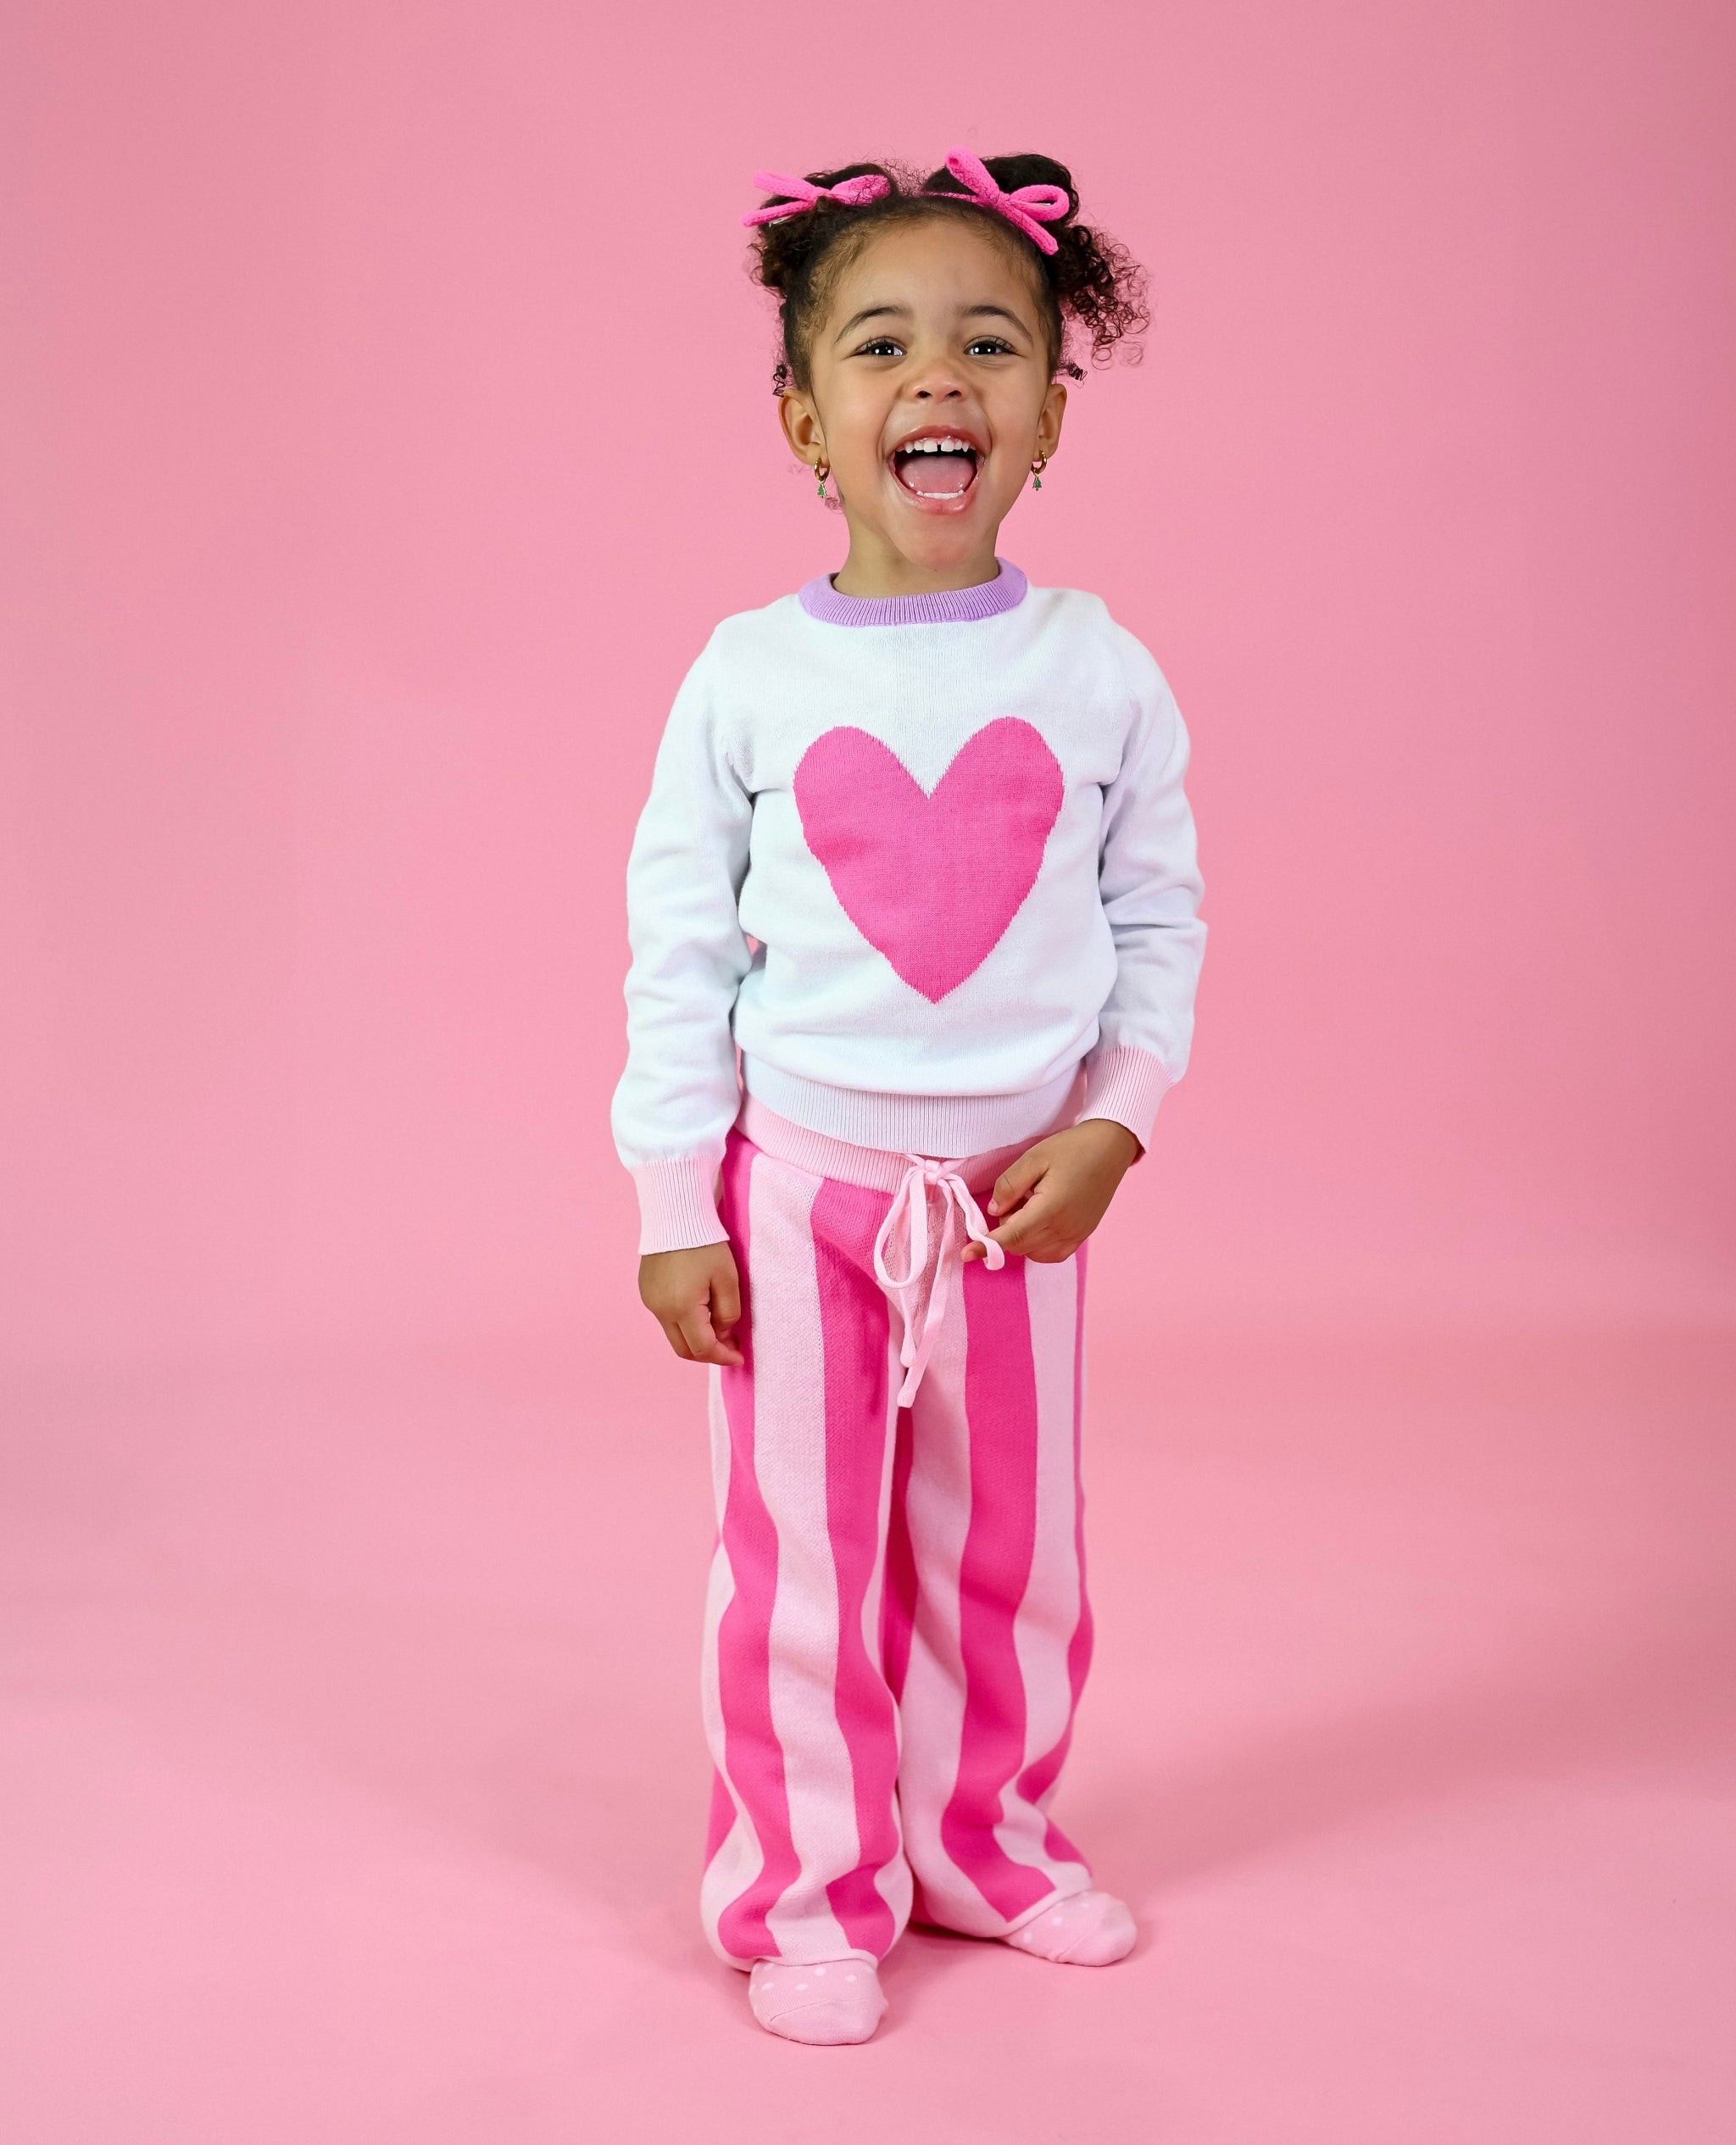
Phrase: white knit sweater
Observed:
(956, 827)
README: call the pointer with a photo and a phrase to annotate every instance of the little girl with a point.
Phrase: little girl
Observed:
(916, 847)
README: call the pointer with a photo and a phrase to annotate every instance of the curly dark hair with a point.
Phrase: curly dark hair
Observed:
(1090, 283)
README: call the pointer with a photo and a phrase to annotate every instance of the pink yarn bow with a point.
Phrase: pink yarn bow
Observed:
(853, 193)
(1028, 207)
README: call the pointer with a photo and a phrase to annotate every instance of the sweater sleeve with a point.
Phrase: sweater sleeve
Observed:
(678, 1095)
(1149, 882)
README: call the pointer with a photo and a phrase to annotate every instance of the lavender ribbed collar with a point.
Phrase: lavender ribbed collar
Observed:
(819, 600)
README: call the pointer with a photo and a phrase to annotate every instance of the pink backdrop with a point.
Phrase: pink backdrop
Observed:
(386, 421)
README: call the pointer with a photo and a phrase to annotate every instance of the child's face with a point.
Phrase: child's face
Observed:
(933, 333)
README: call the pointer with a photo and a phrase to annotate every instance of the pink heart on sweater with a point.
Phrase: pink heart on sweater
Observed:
(931, 880)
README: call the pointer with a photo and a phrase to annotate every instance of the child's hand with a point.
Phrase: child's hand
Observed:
(1057, 1192)
(695, 1297)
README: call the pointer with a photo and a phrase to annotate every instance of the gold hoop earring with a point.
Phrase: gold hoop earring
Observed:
(1037, 469)
(822, 470)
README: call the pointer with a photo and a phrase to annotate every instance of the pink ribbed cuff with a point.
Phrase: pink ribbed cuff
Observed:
(678, 1204)
(1126, 1085)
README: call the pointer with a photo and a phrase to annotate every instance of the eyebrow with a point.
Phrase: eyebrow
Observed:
(902, 312)
(872, 313)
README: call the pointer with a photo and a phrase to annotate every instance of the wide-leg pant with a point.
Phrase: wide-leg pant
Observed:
(896, 1629)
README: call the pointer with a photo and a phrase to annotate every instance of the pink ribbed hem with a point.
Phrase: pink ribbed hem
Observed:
(678, 1204)
(880, 1169)
(1126, 1085)
(911, 1124)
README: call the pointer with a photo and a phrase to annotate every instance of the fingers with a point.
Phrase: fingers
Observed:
(725, 1300)
(1017, 1179)
(1016, 1186)
(672, 1335)
(1026, 1233)
(725, 1313)
(696, 1339)
(703, 1343)
(708, 1325)
(1049, 1200)
(696, 1297)
(1040, 1230)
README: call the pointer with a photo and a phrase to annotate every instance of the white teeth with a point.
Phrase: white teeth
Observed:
(936, 447)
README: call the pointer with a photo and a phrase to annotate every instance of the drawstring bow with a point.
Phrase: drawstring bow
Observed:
(961, 1223)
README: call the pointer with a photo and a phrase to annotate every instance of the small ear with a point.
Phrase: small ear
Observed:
(1048, 421)
(801, 426)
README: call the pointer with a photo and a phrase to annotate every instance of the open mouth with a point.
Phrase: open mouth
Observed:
(940, 465)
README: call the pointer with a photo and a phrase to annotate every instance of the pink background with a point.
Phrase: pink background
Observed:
(386, 422)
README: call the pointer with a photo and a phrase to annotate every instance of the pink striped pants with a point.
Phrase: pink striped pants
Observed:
(896, 1630)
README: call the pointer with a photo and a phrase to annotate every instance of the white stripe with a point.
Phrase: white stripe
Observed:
(1042, 1630)
(937, 1500)
(789, 1462)
(738, 1859)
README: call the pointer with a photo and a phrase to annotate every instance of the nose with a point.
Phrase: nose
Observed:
(936, 380)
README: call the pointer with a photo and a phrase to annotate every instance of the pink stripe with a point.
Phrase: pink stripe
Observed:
(1041, 1775)
(1000, 1408)
(753, 1756)
(855, 1327)
(898, 1607)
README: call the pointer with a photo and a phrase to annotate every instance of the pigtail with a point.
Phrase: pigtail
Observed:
(788, 252)
(1093, 279)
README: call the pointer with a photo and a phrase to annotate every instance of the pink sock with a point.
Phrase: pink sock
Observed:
(1086, 1929)
(827, 2005)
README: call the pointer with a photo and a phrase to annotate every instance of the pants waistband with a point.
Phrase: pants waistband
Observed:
(879, 1169)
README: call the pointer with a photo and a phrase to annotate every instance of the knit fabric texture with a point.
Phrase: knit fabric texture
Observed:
(917, 859)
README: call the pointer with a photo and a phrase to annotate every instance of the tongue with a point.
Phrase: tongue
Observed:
(936, 477)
